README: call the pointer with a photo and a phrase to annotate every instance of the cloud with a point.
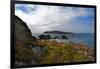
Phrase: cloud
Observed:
(25, 8)
(41, 18)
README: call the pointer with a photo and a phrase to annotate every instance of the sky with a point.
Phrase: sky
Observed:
(41, 18)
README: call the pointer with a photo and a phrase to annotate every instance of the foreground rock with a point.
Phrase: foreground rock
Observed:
(24, 43)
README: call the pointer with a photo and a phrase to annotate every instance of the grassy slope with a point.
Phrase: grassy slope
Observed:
(60, 53)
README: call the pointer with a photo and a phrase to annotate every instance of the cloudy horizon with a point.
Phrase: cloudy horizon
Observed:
(41, 18)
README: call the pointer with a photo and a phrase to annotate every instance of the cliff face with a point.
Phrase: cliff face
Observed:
(23, 46)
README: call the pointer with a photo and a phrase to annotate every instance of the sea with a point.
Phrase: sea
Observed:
(84, 38)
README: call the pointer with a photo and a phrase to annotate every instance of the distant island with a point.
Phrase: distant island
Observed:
(58, 32)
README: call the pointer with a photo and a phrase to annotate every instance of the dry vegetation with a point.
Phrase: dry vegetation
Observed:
(65, 52)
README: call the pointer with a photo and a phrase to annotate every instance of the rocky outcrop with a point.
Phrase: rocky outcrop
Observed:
(22, 32)
(27, 52)
(23, 44)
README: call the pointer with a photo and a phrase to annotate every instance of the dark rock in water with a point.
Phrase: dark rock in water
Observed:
(23, 43)
(44, 36)
(64, 37)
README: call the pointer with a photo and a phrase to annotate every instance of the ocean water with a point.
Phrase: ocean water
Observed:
(84, 38)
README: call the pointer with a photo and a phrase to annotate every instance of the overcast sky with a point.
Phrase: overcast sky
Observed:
(40, 18)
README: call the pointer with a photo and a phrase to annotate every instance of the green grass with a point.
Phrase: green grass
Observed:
(60, 53)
